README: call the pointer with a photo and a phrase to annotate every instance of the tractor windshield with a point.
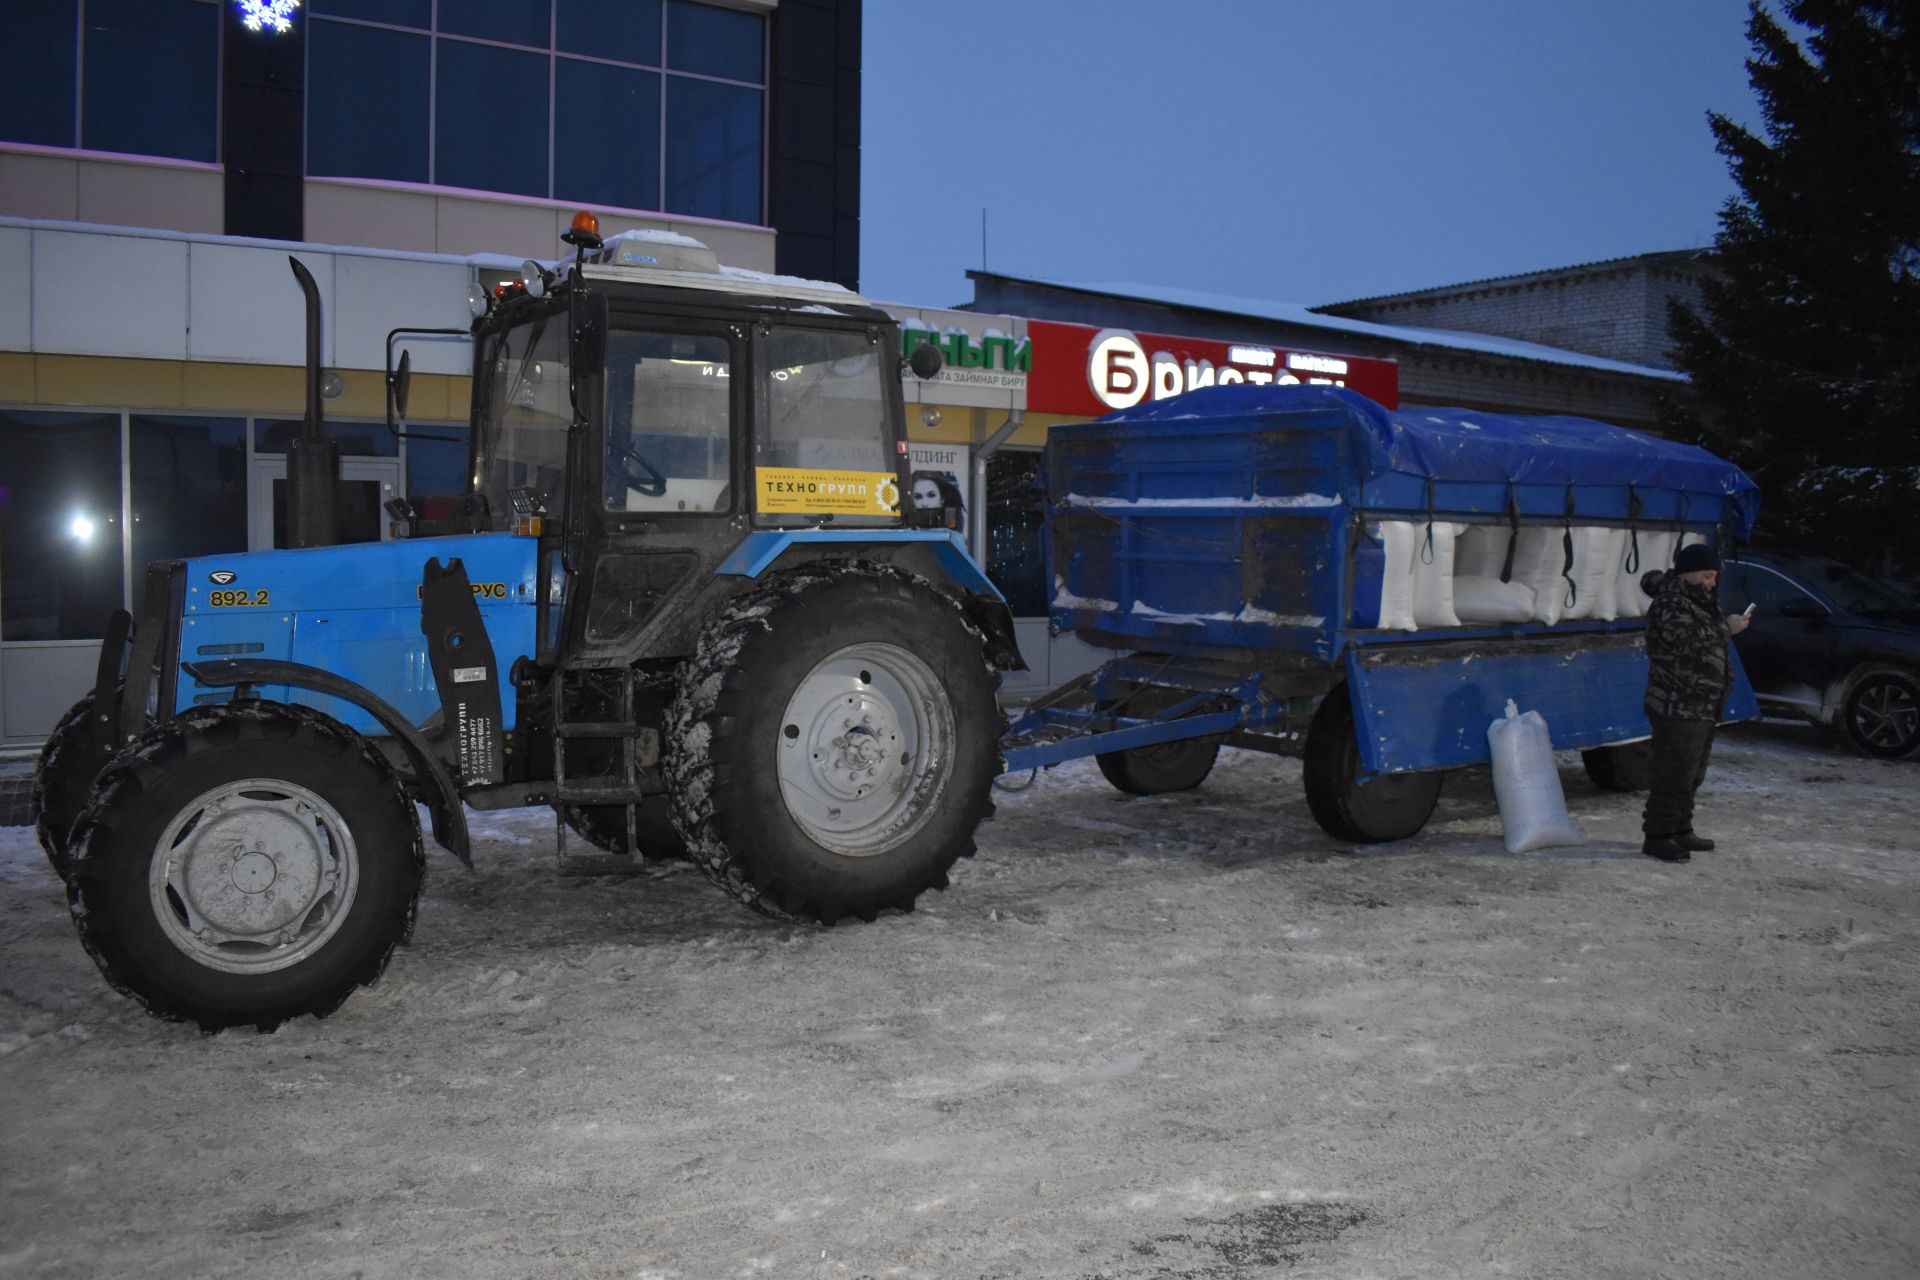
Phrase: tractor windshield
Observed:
(522, 444)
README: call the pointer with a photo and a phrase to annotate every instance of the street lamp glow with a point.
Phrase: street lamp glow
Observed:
(81, 528)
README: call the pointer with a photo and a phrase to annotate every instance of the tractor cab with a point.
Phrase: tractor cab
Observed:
(645, 410)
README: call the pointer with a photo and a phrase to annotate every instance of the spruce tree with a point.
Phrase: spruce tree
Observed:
(1806, 363)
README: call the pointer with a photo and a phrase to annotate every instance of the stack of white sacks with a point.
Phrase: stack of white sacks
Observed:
(1451, 576)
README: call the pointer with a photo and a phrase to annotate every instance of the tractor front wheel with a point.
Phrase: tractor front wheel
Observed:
(834, 742)
(245, 864)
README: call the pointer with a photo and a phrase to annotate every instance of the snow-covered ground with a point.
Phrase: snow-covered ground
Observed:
(1187, 1036)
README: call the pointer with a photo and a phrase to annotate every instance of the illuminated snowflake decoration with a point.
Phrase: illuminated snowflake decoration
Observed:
(268, 15)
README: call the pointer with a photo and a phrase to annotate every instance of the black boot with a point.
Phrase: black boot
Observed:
(1691, 842)
(1665, 848)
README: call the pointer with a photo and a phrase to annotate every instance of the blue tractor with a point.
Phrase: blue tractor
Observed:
(679, 602)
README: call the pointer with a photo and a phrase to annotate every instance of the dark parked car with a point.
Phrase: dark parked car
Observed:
(1829, 644)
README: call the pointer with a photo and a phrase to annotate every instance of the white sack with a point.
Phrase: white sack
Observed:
(1536, 566)
(1433, 574)
(1487, 599)
(1480, 552)
(1397, 539)
(1526, 783)
(1592, 574)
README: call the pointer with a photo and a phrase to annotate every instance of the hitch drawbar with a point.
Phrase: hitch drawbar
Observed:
(1105, 710)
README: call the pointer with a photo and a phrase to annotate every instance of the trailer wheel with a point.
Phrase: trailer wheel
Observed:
(833, 743)
(75, 752)
(1624, 766)
(1389, 808)
(1161, 768)
(245, 864)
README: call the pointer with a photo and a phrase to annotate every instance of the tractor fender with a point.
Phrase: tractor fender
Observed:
(956, 570)
(440, 793)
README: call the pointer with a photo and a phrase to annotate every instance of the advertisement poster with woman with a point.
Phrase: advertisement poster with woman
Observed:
(940, 474)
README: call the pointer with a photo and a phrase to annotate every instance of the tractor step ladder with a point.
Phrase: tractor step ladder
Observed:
(599, 791)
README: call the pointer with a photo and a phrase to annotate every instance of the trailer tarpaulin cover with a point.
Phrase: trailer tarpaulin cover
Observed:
(1464, 460)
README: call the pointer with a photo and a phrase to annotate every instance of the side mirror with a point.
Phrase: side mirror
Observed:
(926, 361)
(402, 380)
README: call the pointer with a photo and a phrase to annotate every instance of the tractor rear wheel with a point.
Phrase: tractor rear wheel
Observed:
(1387, 808)
(245, 864)
(834, 742)
(72, 758)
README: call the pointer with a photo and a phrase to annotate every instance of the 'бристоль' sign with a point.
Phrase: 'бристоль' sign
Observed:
(1085, 371)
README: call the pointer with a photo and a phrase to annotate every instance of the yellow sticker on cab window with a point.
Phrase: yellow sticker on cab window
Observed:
(813, 491)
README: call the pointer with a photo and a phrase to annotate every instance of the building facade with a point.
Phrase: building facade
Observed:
(1616, 309)
(159, 159)
(444, 128)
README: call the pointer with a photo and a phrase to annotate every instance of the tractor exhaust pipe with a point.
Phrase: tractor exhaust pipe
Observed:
(313, 460)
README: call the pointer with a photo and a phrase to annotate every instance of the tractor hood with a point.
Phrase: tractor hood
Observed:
(367, 575)
(353, 611)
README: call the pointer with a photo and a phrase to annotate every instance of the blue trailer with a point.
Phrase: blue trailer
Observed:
(1248, 552)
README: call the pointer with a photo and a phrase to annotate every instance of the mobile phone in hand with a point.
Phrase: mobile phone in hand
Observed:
(1748, 611)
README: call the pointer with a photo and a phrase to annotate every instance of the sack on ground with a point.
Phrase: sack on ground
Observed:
(1526, 783)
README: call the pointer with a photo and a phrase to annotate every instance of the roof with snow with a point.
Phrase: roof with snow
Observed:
(1601, 266)
(1299, 314)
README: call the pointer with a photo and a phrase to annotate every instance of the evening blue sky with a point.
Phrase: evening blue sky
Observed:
(1286, 150)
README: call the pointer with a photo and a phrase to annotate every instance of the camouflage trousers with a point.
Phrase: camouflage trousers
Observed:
(1677, 764)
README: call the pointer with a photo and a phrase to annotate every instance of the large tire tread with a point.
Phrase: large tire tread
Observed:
(705, 764)
(102, 854)
(63, 778)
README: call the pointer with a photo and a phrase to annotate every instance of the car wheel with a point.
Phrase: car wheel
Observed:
(1882, 714)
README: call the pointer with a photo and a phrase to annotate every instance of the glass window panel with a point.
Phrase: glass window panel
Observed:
(152, 78)
(400, 13)
(827, 402)
(606, 136)
(352, 133)
(437, 469)
(355, 439)
(714, 42)
(669, 410)
(188, 483)
(514, 21)
(36, 93)
(491, 119)
(1016, 525)
(713, 150)
(626, 30)
(60, 556)
(523, 433)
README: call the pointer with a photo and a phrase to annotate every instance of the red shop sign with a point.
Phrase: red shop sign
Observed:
(1085, 372)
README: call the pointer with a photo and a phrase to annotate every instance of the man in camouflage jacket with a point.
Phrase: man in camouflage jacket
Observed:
(1689, 675)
